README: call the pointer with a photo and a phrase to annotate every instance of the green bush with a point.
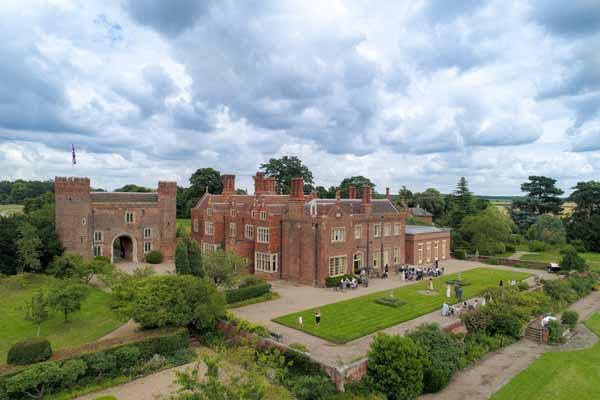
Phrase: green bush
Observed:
(523, 286)
(335, 281)
(510, 248)
(309, 387)
(460, 254)
(390, 302)
(443, 353)
(101, 363)
(245, 293)
(396, 367)
(127, 357)
(29, 351)
(492, 261)
(250, 280)
(555, 332)
(569, 318)
(571, 261)
(538, 246)
(299, 346)
(154, 257)
(479, 344)
(561, 291)
(457, 282)
(504, 321)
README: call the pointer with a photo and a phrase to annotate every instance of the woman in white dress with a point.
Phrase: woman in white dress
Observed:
(448, 291)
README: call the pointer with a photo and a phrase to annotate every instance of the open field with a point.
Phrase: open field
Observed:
(10, 209)
(95, 319)
(351, 319)
(185, 224)
(559, 375)
(593, 259)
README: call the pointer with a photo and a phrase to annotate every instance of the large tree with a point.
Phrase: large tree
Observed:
(286, 168)
(432, 201)
(134, 188)
(200, 180)
(358, 182)
(405, 197)
(487, 232)
(29, 248)
(542, 196)
(66, 297)
(462, 203)
(188, 258)
(548, 228)
(586, 195)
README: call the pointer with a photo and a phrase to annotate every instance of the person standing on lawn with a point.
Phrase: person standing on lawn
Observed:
(318, 318)
(300, 320)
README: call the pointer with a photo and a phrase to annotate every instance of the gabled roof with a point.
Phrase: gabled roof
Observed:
(351, 206)
(419, 212)
(124, 197)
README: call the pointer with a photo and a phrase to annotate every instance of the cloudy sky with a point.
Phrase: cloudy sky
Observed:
(414, 93)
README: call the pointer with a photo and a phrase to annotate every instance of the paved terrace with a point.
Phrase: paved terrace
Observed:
(296, 298)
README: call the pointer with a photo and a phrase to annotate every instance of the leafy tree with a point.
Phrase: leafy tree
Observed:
(36, 380)
(542, 196)
(221, 267)
(548, 229)
(587, 197)
(286, 168)
(188, 258)
(9, 260)
(432, 201)
(29, 248)
(462, 203)
(69, 265)
(37, 310)
(571, 261)
(66, 297)
(324, 193)
(182, 261)
(358, 182)
(248, 386)
(405, 197)
(175, 300)
(487, 232)
(43, 220)
(396, 366)
(134, 188)
(206, 177)
(586, 230)
(35, 203)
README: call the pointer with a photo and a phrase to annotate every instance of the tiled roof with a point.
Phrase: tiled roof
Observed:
(124, 197)
(352, 206)
(419, 230)
(419, 212)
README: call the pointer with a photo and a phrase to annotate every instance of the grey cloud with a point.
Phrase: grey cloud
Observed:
(572, 18)
(442, 11)
(167, 16)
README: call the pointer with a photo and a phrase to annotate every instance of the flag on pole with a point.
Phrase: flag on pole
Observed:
(73, 152)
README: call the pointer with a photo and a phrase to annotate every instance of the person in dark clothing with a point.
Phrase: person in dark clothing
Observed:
(318, 317)
(501, 283)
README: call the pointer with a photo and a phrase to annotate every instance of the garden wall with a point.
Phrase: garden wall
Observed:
(511, 262)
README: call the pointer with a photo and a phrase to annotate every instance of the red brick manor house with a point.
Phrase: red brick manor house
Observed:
(305, 239)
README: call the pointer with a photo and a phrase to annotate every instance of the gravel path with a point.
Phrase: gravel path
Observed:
(480, 381)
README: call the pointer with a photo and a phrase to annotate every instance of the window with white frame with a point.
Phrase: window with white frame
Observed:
(420, 253)
(263, 215)
(98, 236)
(376, 230)
(337, 265)
(358, 261)
(357, 231)
(396, 255)
(147, 233)
(387, 229)
(338, 235)
(196, 227)
(209, 211)
(266, 262)
(376, 258)
(232, 212)
(397, 228)
(249, 231)
(97, 250)
(209, 248)
(387, 255)
(209, 228)
(253, 213)
(428, 251)
(232, 229)
(443, 249)
(436, 255)
(262, 234)
(147, 247)
(129, 217)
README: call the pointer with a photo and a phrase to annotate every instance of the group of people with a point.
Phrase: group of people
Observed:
(419, 273)
(347, 283)
(457, 309)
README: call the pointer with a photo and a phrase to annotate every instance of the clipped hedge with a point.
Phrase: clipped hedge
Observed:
(390, 302)
(335, 281)
(154, 257)
(460, 254)
(29, 351)
(245, 293)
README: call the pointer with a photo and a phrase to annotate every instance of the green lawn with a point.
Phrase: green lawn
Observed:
(94, 320)
(350, 319)
(559, 375)
(9, 209)
(593, 259)
(185, 224)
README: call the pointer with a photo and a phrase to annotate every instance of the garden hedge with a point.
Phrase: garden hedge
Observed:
(245, 293)
(460, 254)
(29, 351)
(334, 281)
(154, 257)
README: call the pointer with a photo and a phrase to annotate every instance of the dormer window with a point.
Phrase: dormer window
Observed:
(263, 215)
(232, 212)
(209, 212)
(253, 213)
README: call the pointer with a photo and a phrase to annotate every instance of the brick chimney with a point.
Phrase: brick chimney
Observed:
(387, 194)
(296, 203)
(366, 200)
(270, 185)
(297, 190)
(228, 184)
(351, 192)
(264, 185)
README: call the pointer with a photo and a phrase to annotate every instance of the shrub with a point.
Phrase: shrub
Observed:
(396, 366)
(492, 261)
(460, 254)
(476, 321)
(570, 318)
(579, 245)
(443, 353)
(154, 257)
(505, 321)
(523, 286)
(571, 261)
(299, 346)
(390, 302)
(538, 246)
(561, 291)
(127, 357)
(250, 280)
(311, 387)
(510, 248)
(101, 363)
(245, 293)
(29, 351)
(335, 281)
(478, 345)
(457, 282)
(555, 332)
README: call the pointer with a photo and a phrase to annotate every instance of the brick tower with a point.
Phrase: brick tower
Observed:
(72, 213)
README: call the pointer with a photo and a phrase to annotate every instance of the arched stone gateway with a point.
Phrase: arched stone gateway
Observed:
(124, 248)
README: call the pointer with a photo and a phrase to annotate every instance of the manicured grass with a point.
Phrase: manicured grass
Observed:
(95, 319)
(592, 259)
(350, 319)
(185, 224)
(559, 375)
(10, 209)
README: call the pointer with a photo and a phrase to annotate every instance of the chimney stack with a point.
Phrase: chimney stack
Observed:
(297, 190)
(296, 203)
(351, 192)
(228, 184)
(387, 194)
(264, 185)
(366, 199)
